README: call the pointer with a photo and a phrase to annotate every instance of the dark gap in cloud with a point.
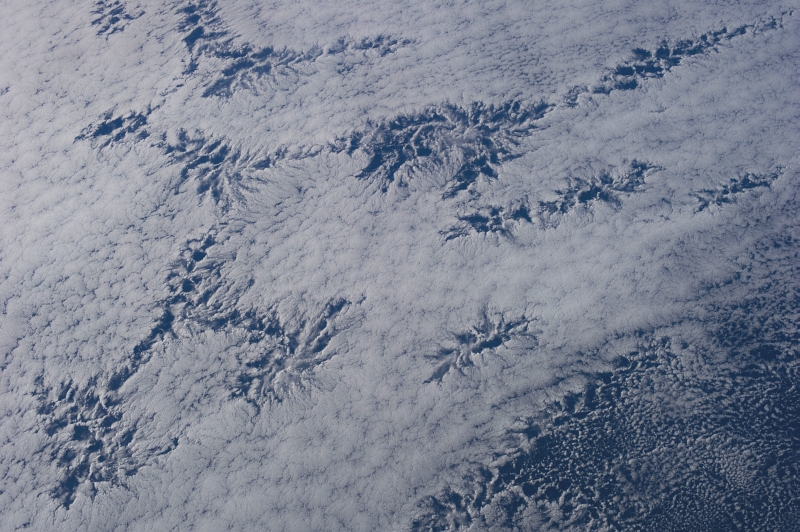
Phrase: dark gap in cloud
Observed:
(479, 138)
(652, 446)
(169, 313)
(141, 351)
(382, 44)
(277, 351)
(492, 219)
(491, 332)
(736, 187)
(97, 447)
(115, 129)
(209, 163)
(215, 167)
(112, 16)
(285, 351)
(246, 66)
(89, 441)
(767, 320)
(656, 62)
(202, 29)
(606, 187)
(192, 284)
(474, 141)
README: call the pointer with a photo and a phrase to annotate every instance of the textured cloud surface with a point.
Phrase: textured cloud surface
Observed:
(399, 266)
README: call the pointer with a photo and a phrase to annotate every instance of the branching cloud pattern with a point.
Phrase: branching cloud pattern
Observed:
(315, 266)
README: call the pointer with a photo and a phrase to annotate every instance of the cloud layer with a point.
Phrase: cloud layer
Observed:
(404, 266)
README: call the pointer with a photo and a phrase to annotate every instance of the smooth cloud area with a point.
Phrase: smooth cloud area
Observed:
(399, 266)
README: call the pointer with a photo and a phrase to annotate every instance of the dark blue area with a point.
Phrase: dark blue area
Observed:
(86, 446)
(96, 447)
(107, 127)
(205, 35)
(521, 213)
(603, 188)
(212, 165)
(656, 63)
(111, 17)
(195, 35)
(491, 219)
(115, 129)
(735, 187)
(650, 446)
(426, 137)
(486, 336)
(202, 30)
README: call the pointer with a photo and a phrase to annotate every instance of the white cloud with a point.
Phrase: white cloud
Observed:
(333, 286)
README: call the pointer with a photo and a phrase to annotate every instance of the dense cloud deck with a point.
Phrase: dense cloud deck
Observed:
(306, 266)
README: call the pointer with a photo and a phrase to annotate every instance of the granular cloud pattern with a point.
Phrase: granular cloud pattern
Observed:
(628, 453)
(381, 266)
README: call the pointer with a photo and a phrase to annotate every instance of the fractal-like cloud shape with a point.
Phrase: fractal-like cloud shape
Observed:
(420, 266)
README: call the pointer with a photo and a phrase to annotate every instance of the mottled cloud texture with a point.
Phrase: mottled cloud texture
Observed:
(399, 266)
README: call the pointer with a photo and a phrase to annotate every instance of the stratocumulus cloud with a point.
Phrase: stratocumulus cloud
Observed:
(305, 266)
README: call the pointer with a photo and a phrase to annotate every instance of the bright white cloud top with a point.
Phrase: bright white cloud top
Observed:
(399, 266)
